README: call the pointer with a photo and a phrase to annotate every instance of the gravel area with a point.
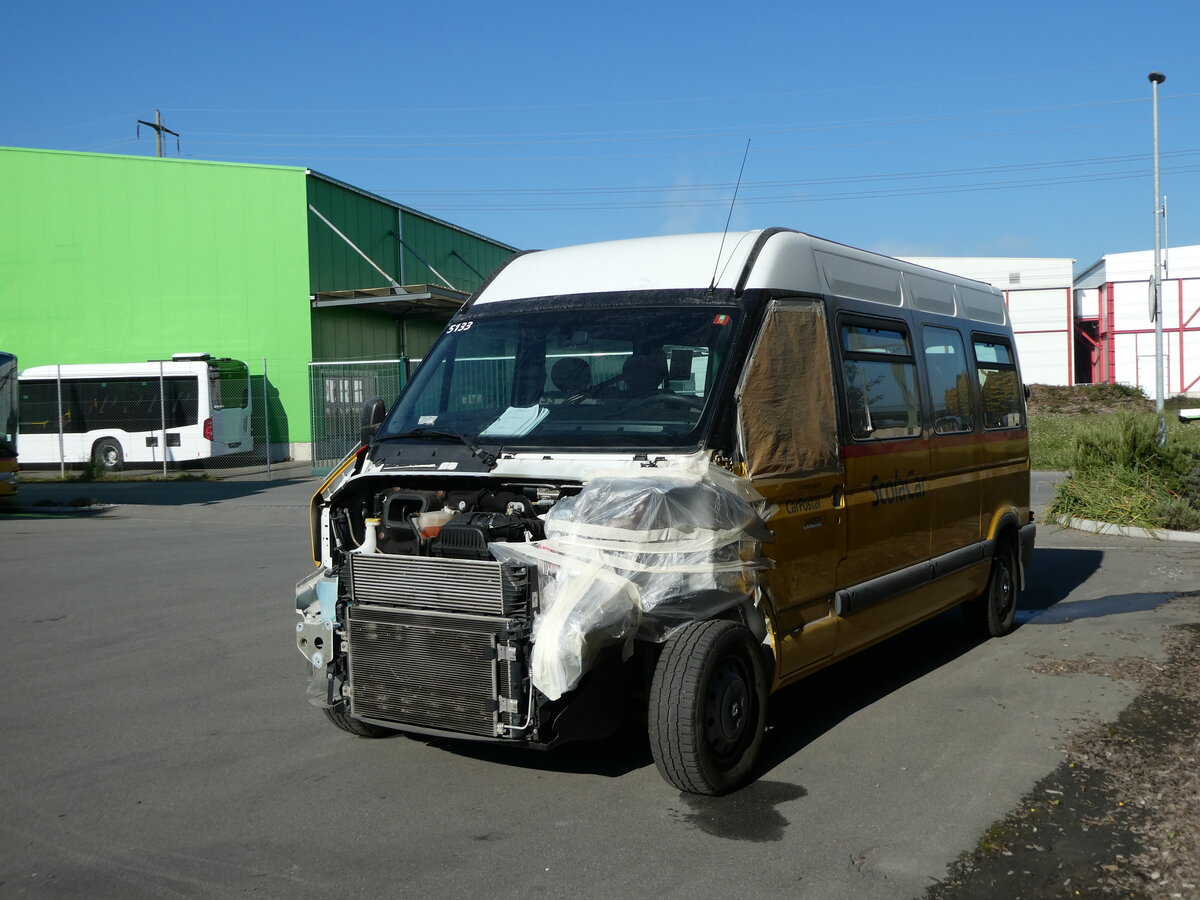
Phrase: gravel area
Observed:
(1120, 817)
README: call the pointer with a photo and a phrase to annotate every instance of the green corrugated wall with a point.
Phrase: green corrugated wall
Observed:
(333, 265)
(352, 334)
(377, 226)
(445, 248)
(124, 258)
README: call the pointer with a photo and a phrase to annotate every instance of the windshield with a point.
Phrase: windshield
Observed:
(571, 377)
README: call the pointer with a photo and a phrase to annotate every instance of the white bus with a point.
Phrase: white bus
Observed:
(8, 424)
(114, 413)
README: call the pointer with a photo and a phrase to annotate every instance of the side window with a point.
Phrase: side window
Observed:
(881, 381)
(998, 384)
(949, 380)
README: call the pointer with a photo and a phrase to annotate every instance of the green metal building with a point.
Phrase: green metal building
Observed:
(108, 258)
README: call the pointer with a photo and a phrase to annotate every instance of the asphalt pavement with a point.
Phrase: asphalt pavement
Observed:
(158, 743)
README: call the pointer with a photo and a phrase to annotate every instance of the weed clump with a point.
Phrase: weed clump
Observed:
(1124, 470)
(93, 471)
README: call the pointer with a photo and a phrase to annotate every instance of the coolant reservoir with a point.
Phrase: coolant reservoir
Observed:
(371, 529)
(429, 524)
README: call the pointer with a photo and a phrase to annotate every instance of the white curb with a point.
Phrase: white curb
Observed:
(1158, 534)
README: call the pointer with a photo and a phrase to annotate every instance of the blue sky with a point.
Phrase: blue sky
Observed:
(1016, 129)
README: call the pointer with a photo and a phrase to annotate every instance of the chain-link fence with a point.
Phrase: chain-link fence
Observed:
(196, 413)
(338, 391)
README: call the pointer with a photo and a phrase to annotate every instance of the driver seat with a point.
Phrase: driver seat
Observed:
(645, 373)
(571, 375)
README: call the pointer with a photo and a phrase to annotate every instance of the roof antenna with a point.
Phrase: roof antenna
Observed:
(729, 217)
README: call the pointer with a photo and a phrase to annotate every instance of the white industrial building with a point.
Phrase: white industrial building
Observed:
(1112, 307)
(1038, 293)
(1096, 327)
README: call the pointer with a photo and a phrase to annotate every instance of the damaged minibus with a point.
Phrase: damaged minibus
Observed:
(670, 476)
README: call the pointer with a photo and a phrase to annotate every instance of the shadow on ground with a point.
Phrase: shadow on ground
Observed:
(35, 496)
(803, 712)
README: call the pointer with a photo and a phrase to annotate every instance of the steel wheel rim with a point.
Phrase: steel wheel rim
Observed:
(1003, 595)
(728, 710)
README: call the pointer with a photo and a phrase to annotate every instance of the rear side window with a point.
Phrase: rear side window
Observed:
(999, 387)
(949, 381)
(880, 378)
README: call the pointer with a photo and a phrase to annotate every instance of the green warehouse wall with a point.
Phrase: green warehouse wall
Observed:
(377, 226)
(350, 334)
(455, 253)
(409, 246)
(333, 264)
(118, 259)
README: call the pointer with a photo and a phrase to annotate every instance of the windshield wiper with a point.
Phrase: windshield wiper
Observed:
(421, 433)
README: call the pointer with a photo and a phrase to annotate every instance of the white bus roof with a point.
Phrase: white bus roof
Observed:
(786, 260)
(118, 370)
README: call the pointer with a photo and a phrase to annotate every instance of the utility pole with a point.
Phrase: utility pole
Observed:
(159, 128)
(1157, 78)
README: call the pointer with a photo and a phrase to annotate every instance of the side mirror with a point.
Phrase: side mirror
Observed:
(373, 414)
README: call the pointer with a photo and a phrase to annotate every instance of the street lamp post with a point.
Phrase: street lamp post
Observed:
(1157, 78)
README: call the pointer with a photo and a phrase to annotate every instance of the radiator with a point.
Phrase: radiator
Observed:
(437, 643)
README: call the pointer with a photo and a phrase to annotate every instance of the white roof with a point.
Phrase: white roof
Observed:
(645, 264)
(1181, 262)
(787, 261)
(115, 370)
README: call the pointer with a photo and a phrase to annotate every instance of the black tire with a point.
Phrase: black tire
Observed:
(339, 717)
(993, 613)
(708, 709)
(108, 454)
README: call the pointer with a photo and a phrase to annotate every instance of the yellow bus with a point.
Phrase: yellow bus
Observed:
(675, 474)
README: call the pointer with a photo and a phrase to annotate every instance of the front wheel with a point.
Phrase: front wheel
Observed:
(708, 707)
(994, 612)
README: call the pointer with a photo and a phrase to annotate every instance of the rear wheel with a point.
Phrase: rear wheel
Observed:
(708, 707)
(338, 716)
(108, 454)
(994, 612)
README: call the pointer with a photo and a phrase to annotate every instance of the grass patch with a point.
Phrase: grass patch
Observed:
(1122, 473)
(1051, 438)
(114, 477)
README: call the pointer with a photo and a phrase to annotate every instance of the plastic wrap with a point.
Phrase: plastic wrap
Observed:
(636, 557)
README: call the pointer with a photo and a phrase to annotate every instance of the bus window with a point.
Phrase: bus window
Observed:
(998, 383)
(229, 384)
(949, 380)
(881, 382)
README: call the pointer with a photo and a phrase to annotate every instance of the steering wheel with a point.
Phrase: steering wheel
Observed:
(680, 401)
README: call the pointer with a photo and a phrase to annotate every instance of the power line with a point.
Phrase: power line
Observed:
(798, 182)
(588, 157)
(622, 103)
(806, 198)
(618, 136)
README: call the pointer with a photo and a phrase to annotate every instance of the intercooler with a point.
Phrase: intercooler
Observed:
(438, 643)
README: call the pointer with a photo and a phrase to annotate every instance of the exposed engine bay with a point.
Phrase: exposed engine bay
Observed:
(423, 519)
(501, 609)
